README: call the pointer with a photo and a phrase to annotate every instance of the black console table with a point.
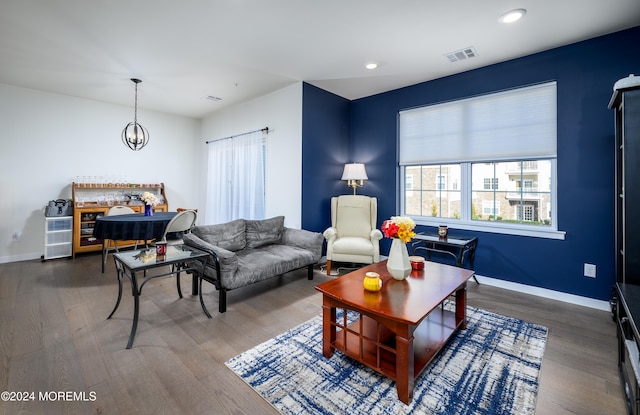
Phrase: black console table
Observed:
(628, 317)
(459, 247)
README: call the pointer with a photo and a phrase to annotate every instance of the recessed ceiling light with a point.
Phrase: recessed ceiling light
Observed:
(371, 66)
(512, 16)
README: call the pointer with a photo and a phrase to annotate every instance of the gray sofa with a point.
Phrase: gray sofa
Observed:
(247, 251)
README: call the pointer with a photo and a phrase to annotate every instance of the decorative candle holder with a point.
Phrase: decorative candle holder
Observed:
(372, 281)
(417, 262)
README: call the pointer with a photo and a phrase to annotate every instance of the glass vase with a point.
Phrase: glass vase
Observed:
(398, 263)
(148, 210)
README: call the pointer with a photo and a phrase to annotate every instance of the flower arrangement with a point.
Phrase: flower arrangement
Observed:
(149, 199)
(400, 227)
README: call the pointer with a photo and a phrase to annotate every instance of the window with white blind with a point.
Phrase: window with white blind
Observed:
(500, 152)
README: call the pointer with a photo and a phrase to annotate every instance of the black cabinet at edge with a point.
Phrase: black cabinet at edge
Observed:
(625, 302)
(628, 316)
(626, 104)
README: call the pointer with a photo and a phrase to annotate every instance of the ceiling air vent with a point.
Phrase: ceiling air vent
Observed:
(214, 99)
(462, 54)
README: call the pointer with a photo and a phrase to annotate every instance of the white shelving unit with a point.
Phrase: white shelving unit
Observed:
(58, 237)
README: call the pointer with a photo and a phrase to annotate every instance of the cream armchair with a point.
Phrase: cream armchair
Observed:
(353, 236)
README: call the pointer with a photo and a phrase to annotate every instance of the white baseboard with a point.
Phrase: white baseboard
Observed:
(16, 258)
(546, 293)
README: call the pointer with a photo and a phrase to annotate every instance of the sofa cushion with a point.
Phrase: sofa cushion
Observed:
(269, 261)
(264, 232)
(230, 235)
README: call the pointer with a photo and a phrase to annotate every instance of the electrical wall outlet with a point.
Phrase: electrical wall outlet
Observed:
(16, 236)
(589, 270)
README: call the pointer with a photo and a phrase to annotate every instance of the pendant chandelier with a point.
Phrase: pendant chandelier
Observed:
(134, 135)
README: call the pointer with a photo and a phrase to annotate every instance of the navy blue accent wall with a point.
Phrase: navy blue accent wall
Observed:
(325, 150)
(585, 73)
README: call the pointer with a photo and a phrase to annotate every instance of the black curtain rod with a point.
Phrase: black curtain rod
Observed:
(265, 130)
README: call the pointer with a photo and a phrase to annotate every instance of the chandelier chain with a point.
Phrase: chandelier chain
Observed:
(135, 108)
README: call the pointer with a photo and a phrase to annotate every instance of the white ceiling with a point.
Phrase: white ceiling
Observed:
(187, 50)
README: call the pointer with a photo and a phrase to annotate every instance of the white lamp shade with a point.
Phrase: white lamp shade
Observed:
(354, 171)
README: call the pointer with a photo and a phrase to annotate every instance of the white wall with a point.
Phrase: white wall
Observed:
(48, 139)
(281, 111)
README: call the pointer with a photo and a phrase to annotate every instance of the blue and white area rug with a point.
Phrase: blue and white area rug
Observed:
(490, 368)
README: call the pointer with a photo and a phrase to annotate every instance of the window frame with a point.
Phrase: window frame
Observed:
(465, 222)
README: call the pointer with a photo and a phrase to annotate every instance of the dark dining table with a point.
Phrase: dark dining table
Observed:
(131, 227)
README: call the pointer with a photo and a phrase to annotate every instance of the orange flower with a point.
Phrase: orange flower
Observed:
(400, 227)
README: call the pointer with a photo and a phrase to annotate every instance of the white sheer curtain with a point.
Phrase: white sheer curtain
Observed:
(235, 181)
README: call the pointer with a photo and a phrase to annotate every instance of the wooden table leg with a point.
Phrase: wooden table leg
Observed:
(328, 330)
(461, 306)
(404, 368)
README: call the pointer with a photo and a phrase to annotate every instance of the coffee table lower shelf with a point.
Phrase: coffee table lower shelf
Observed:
(374, 345)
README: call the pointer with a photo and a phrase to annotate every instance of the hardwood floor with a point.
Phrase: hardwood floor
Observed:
(54, 337)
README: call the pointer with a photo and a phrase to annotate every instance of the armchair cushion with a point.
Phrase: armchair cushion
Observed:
(354, 218)
(353, 245)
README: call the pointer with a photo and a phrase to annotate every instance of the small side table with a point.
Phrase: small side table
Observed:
(179, 257)
(456, 246)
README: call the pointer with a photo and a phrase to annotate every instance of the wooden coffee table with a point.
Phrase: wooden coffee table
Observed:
(402, 327)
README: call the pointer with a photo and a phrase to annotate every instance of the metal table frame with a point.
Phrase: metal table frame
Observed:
(456, 246)
(180, 258)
